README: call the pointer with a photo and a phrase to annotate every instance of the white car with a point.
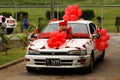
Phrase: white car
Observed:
(10, 23)
(77, 52)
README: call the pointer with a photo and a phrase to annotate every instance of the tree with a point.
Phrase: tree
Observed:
(5, 41)
(24, 39)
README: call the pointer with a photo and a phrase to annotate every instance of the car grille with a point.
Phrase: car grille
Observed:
(62, 62)
(53, 53)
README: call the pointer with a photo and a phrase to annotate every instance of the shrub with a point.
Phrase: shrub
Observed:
(117, 21)
(88, 14)
(20, 15)
(47, 14)
(7, 14)
(56, 14)
(99, 20)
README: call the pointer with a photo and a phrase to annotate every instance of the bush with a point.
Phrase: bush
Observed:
(117, 21)
(7, 14)
(99, 20)
(20, 15)
(88, 14)
(60, 14)
(47, 14)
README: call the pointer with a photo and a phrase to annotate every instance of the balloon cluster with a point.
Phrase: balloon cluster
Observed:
(56, 39)
(101, 42)
(72, 13)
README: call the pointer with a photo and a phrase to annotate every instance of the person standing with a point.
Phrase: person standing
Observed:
(3, 29)
(26, 23)
(3, 24)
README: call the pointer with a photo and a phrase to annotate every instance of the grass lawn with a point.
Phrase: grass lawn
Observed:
(13, 54)
(109, 13)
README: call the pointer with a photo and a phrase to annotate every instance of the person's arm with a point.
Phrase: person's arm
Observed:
(26, 22)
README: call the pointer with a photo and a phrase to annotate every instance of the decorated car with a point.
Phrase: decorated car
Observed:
(10, 23)
(52, 50)
(67, 43)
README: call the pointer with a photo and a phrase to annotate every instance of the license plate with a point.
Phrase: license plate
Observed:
(52, 62)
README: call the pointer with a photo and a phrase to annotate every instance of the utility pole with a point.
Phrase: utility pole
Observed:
(15, 9)
(51, 9)
(102, 14)
(57, 11)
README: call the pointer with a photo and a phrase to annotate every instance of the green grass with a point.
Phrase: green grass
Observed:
(110, 13)
(13, 54)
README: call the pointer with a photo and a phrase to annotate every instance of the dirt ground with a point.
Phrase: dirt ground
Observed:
(106, 70)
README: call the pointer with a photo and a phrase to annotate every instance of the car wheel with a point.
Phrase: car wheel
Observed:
(91, 65)
(30, 69)
(102, 55)
(9, 30)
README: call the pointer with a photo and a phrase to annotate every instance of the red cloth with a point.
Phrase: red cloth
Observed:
(64, 23)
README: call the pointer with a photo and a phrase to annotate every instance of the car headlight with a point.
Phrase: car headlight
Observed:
(77, 52)
(83, 52)
(33, 52)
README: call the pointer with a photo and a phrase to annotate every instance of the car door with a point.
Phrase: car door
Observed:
(92, 28)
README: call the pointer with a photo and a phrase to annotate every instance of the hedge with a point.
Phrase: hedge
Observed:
(87, 14)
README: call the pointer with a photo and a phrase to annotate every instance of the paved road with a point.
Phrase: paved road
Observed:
(109, 69)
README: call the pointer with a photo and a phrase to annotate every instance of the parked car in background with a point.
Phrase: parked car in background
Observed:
(10, 22)
(78, 52)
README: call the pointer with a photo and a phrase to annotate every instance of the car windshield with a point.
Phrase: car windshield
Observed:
(50, 28)
(78, 29)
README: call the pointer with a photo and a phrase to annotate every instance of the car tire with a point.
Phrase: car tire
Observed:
(30, 69)
(102, 56)
(91, 64)
(9, 30)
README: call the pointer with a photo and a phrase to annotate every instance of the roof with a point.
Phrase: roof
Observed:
(78, 21)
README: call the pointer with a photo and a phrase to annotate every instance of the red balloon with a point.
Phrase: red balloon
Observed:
(106, 44)
(79, 12)
(73, 11)
(69, 8)
(73, 17)
(107, 36)
(97, 41)
(64, 34)
(66, 17)
(50, 44)
(53, 39)
(103, 38)
(76, 6)
(103, 31)
(63, 40)
(101, 46)
(67, 13)
(59, 36)
(57, 44)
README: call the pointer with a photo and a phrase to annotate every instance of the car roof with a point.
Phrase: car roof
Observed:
(78, 21)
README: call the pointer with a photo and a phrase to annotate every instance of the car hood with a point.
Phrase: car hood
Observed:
(71, 44)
